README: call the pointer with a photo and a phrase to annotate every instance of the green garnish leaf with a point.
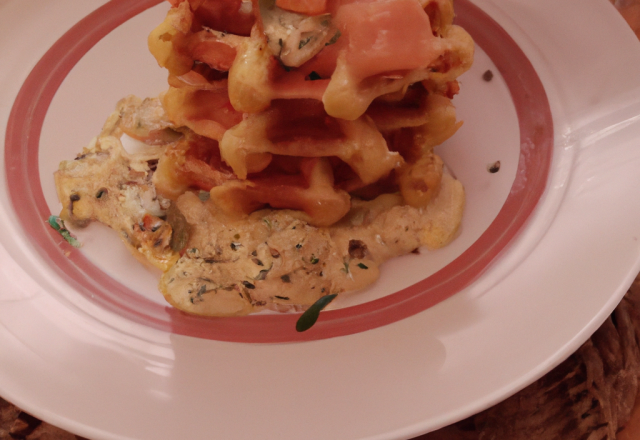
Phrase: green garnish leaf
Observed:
(58, 224)
(310, 316)
(362, 266)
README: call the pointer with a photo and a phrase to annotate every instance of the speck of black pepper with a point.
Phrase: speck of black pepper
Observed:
(494, 167)
(262, 275)
(487, 76)
(285, 278)
(248, 285)
(299, 246)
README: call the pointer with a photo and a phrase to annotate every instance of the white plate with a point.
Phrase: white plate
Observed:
(78, 363)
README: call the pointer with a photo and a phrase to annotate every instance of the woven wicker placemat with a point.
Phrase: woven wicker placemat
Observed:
(593, 395)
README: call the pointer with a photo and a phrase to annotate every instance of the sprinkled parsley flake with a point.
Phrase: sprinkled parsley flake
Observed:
(304, 42)
(58, 224)
(333, 40)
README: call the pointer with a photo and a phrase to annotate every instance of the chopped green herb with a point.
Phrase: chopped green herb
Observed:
(333, 40)
(180, 228)
(285, 298)
(204, 195)
(314, 259)
(345, 269)
(362, 266)
(310, 316)
(267, 222)
(304, 42)
(58, 224)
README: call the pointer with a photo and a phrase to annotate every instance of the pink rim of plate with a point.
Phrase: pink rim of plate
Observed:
(21, 156)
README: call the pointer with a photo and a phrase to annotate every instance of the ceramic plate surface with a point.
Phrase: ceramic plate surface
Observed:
(547, 248)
